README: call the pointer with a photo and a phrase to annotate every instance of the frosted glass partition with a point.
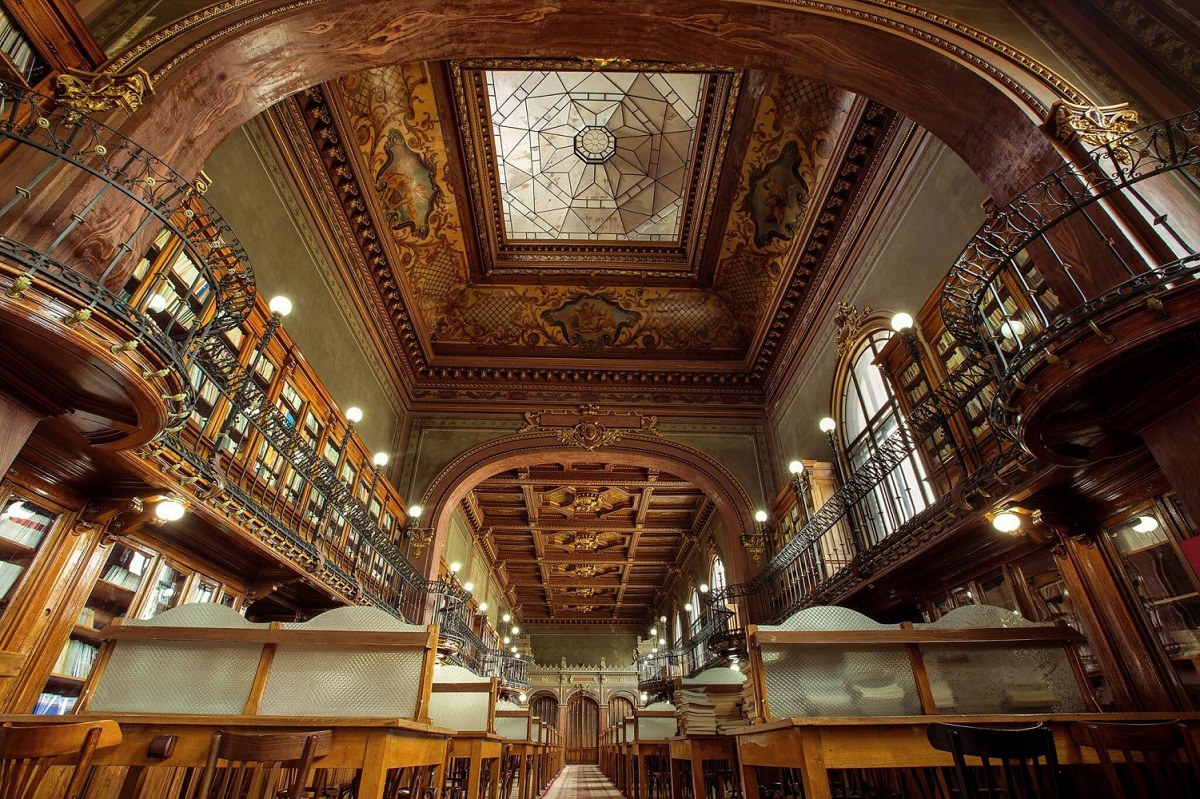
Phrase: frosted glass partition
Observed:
(512, 721)
(657, 728)
(1002, 677)
(630, 732)
(718, 675)
(832, 680)
(461, 709)
(180, 677)
(345, 679)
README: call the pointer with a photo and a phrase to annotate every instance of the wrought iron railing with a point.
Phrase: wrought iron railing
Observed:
(69, 172)
(1016, 291)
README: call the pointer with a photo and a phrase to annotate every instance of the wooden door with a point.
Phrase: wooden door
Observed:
(583, 730)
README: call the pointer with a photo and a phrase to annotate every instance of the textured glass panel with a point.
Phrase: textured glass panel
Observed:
(836, 681)
(177, 677)
(512, 728)
(321, 680)
(657, 729)
(459, 710)
(1004, 678)
(593, 155)
(356, 618)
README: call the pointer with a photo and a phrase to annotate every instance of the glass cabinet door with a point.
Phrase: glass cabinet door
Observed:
(166, 592)
(24, 526)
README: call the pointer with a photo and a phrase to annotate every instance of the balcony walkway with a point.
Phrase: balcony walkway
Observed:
(581, 782)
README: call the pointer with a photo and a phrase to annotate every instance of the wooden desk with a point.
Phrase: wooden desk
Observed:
(816, 745)
(695, 749)
(638, 755)
(371, 747)
(478, 749)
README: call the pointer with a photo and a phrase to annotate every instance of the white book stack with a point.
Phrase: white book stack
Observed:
(697, 715)
(54, 705)
(76, 659)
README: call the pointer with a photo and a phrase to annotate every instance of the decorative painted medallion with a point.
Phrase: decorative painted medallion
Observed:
(778, 197)
(591, 322)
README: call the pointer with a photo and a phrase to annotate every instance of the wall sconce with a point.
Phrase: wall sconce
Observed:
(170, 509)
(1006, 522)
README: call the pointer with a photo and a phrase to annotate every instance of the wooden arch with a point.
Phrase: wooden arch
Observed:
(224, 65)
(477, 464)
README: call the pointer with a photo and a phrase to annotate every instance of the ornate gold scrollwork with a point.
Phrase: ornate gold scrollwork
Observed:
(93, 93)
(849, 320)
(582, 428)
(1095, 125)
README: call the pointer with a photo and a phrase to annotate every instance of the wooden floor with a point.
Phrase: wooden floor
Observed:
(581, 782)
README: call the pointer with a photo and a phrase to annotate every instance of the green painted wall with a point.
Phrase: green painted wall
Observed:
(583, 648)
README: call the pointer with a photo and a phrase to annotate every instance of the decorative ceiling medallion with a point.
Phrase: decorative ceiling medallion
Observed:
(586, 571)
(592, 322)
(778, 197)
(406, 186)
(583, 428)
(593, 168)
(587, 541)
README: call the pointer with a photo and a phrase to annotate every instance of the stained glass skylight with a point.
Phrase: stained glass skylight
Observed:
(593, 156)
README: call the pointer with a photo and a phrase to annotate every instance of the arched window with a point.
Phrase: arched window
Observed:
(869, 417)
(678, 628)
(695, 614)
(718, 574)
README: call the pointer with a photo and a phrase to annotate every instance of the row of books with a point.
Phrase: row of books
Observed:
(9, 573)
(123, 577)
(95, 618)
(16, 46)
(76, 659)
(54, 705)
(25, 531)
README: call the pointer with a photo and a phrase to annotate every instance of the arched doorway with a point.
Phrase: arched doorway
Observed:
(583, 729)
(619, 709)
(545, 708)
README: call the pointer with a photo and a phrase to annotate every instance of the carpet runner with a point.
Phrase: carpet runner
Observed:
(581, 782)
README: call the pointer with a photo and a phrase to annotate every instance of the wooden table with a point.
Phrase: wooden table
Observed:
(370, 746)
(816, 745)
(637, 755)
(696, 749)
(476, 747)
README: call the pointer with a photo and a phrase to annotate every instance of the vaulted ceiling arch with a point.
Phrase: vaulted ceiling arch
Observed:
(986, 100)
(716, 491)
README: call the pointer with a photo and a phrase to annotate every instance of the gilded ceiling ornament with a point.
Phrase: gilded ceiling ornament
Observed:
(92, 93)
(591, 322)
(582, 428)
(421, 537)
(586, 570)
(587, 500)
(582, 593)
(1096, 125)
(583, 608)
(587, 541)
(849, 321)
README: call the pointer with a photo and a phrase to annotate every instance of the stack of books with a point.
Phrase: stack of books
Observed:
(54, 705)
(730, 715)
(696, 714)
(749, 705)
(122, 577)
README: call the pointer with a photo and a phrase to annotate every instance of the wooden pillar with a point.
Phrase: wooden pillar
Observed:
(16, 425)
(1125, 655)
(1174, 440)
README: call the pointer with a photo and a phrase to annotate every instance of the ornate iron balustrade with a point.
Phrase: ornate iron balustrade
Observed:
(1011, 308)
(54, 154)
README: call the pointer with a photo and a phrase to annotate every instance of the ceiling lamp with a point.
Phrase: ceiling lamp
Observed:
(483, 606)
(507, 640)
(827, 425)
(704, 588)
(1006, 521)
(506, 618)
(354, 414)
(415, 511)
(454, 567)
(381, 459)
(516, 629)
(901, 322)
(760, 516)
(468, 587)
(688, 607)
(280, 305)
(1145, 524)
(170, 509)
(1012, 328)
(796, 467)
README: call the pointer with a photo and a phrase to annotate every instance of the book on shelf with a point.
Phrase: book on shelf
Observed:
(50, 704)
(26, 532)
(76, 659)
(118, 575)
(9, 573)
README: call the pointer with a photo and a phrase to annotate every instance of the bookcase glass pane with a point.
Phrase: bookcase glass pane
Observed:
(23, 528)
(166, 593)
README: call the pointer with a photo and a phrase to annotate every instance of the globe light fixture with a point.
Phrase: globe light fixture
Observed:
(280, 305)
(521, 697)
(354, 414)
(514, 650)
(645, 696)
(688, 607)
(170, 510)
(662, 641)
(516, 630)
(454, 567)
(1006, 521)
(483, 606)
(1012, 328)
(415, 511)
(796, 467)
(381, 459)
(704, 588)
(760, 516)
(653, 632)
(827, 425)
(468, 587)
(663, 619)
(507, 640)
(506, 618)
(1145, 524)
(901, 322)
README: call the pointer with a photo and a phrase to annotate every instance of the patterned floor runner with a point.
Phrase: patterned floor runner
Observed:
(582, 782)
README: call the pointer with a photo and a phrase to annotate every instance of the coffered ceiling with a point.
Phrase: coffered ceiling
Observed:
(536, 231)
(590, 542)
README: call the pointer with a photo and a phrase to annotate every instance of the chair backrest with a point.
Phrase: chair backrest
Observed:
(261, 765)
(26, 754)
(1012, 754)
(1155, 759)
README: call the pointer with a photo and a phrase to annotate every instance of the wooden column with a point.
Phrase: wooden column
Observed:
(1174, 440)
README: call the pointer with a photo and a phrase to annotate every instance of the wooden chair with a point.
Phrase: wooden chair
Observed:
(1157, 759)
(26, 754)
(262, 765)
(1016, 753)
